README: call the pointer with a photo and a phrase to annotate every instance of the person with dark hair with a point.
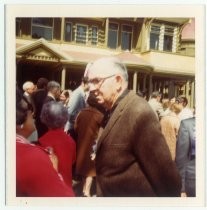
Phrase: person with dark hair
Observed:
(38, 97)
(65, 97)
(185, 112)
(132, 157)
(142, 94)
(155, 104)
(54, 115)
(36, 174)
(42, 83)
(87, 126)
(77, 102)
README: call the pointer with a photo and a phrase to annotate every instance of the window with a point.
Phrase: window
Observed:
(163, 38)
(18, 27)
(126, 37)
(42, 28)
(94, 35)
(154, 37)
(81, 34)
(113, 35)
(168, 39)
(68, 32)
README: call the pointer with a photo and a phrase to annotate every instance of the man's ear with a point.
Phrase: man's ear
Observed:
(119, 81)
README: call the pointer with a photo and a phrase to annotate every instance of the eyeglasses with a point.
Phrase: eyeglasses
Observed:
(97, 82)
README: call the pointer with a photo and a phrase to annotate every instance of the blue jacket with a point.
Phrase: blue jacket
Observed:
(185, 152)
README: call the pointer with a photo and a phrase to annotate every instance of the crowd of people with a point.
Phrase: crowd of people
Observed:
(102, 139)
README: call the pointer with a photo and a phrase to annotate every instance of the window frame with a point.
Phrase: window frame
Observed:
(168, 34)
(76, 27)
(162, 34)
(160, 26)
(43, 26)
(117, 40)
(71, 33)
(132, 31)
(94, 26)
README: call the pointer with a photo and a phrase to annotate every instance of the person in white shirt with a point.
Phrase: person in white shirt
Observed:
(186, 112)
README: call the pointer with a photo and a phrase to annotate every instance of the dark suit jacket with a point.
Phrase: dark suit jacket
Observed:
(185, 156)
(38, 98)
(48, 99)
(133, 158)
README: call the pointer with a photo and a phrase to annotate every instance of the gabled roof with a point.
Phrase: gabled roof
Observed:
(41, 50)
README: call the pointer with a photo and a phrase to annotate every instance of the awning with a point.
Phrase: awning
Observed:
(131, 59)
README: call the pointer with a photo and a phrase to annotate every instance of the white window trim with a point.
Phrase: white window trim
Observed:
(84, 25)
(94, 26)
(161, 37)
(175, 40)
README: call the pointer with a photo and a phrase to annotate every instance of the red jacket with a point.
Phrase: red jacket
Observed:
(65, 149)
(35, 175)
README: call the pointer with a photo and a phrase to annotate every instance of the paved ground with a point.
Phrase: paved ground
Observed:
(78, 186)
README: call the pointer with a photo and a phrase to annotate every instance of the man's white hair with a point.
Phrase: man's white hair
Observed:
(115, 64)
(27, 85)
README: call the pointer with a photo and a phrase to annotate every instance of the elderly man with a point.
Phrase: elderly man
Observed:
(53, 93)
(28, 88)
(132, 157)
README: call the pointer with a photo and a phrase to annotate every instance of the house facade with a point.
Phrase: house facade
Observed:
(159, 53)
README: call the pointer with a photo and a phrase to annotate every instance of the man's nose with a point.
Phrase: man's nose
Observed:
(92, 87)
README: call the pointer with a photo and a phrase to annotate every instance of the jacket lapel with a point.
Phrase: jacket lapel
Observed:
(115, 116)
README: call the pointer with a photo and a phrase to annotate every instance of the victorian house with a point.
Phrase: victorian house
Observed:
(159, 52)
